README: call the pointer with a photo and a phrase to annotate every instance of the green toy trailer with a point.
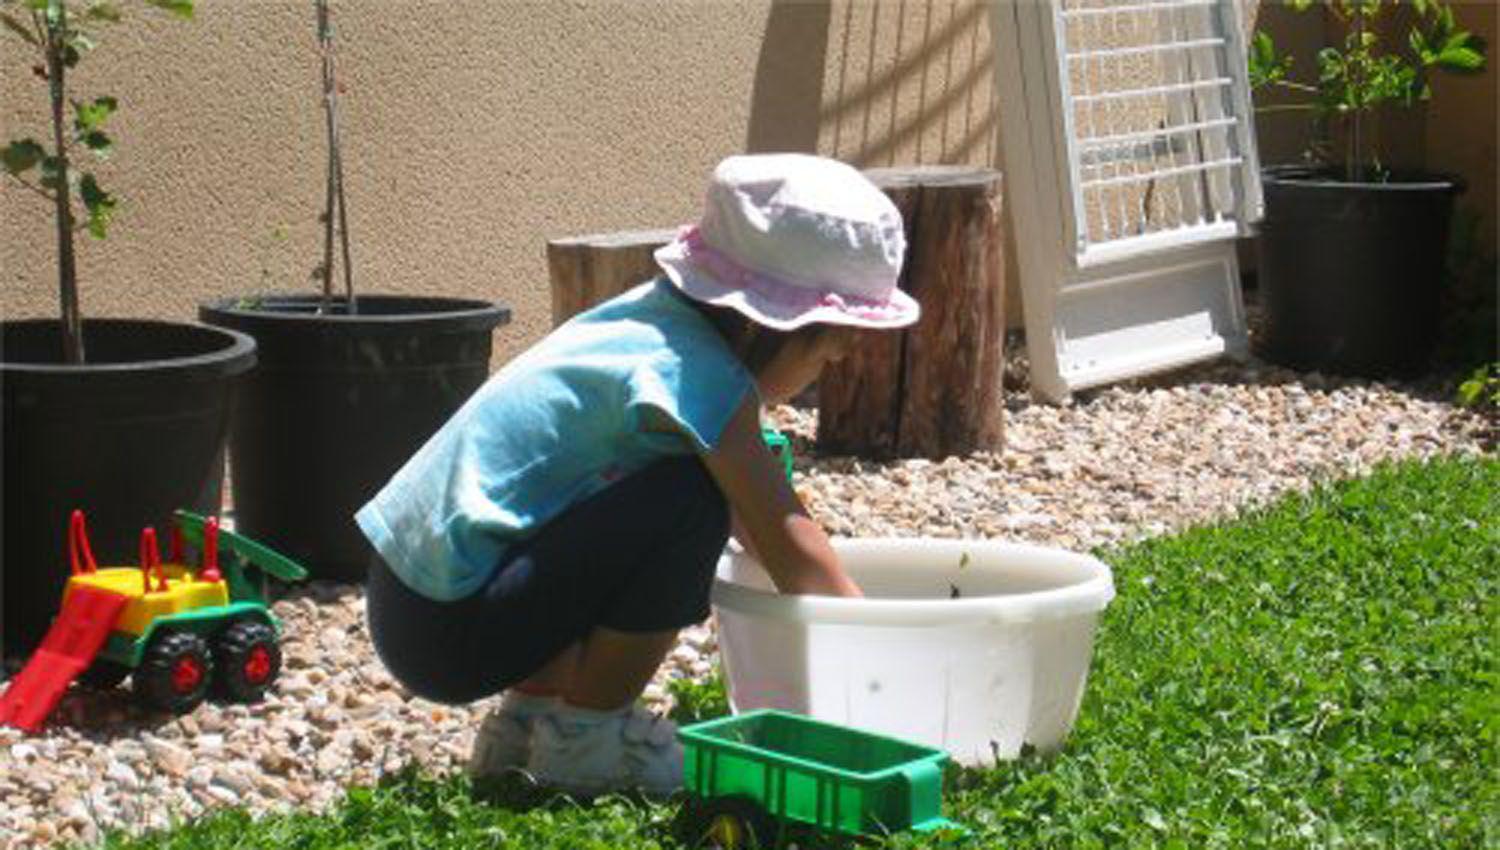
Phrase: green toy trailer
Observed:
(751, 777)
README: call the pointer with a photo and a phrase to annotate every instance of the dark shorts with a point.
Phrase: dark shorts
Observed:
(638, 556)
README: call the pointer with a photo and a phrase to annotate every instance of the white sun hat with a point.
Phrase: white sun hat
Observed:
(793, 239)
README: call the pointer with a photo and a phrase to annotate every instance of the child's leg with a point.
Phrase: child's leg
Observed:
(600, 675)
(636, 558)
(614, 667)
(608, 669)
(585, 610)
(556, 676)
(596, 741)
(654, 543)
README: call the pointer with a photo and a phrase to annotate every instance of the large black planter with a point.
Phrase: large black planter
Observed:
(337, 405)
(1351, 273)
(130, 437)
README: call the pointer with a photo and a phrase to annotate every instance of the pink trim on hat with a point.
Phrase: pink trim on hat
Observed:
(733, 275)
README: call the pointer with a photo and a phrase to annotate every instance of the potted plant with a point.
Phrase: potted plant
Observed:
(348, 387)
(123, 416)
(1351, 250)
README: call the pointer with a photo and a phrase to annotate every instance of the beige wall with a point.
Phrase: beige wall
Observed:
(474, 130)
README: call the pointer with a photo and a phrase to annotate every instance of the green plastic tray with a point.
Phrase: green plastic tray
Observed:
(821, 774)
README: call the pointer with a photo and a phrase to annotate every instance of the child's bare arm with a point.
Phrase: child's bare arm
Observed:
(776, 528)
(738, 532)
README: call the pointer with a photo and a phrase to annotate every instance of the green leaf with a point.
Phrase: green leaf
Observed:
(1461, 51)
(1460, 59)
(1264, 47)
(51, 166)
(1264, 67)
(1459, 38)
(100, 204)
(90, 116)
(1331, 65)
(1470, 390)
(98, 142)
(105, 11)
(19, 29)
(22, 156)
(1420, 47)
(180, 8)
(80, 40)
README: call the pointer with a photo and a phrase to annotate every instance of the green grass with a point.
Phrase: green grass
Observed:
(1319, 673)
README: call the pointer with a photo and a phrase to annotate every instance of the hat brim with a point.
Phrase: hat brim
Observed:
(783, 307)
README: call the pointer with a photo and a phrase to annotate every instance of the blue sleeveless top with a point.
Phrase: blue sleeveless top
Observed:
(639, 377)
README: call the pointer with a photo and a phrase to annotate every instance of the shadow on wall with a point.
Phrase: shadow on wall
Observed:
(788, 91)
(876, 83)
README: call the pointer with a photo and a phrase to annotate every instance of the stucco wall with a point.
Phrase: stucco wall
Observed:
(473, 130)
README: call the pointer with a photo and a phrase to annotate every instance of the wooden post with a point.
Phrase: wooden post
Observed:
(585, 270)
(934, 389)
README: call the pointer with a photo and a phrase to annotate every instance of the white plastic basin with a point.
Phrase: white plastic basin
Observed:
(980, 675)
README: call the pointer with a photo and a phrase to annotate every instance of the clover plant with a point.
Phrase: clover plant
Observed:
(1363, 72)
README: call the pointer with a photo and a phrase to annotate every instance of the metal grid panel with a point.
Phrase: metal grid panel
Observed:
(1154, 138)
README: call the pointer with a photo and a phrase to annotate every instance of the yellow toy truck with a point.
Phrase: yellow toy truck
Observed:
(179, 632)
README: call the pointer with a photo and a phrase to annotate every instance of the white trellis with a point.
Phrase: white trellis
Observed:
(1130, 169)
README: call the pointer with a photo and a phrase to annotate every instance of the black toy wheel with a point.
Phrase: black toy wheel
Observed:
(175, 672)
(247, 658)
(512, 788)
(103, 675)
(728, 823)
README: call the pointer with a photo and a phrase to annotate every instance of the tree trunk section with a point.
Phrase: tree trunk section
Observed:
(587, 270)
(934, 389)
(859, 398)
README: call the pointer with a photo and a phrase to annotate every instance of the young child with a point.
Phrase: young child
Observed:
(550, 540)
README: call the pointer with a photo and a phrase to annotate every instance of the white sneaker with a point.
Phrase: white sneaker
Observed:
(587, 753)
(503, 741)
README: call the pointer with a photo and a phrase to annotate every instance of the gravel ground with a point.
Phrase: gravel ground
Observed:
(1120, 463)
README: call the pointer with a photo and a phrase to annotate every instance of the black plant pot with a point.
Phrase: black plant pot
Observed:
(1351, 273)
(135, 434)
(337, 405)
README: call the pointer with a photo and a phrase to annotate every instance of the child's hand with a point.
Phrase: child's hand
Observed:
(741, 539)
(770, 521)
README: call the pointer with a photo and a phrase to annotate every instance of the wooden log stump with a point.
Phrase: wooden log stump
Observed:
(586, 270)
(934, 389)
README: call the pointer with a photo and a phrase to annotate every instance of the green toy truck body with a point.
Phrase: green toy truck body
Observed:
(753, 775)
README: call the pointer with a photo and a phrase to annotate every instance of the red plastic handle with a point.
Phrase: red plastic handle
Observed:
(78, 546)
(211, 551)
(151, 559)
